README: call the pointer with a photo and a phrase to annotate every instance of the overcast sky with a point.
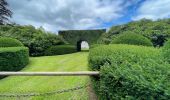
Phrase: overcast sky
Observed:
(54, 15)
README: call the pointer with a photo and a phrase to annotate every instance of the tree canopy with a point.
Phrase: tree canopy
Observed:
(157, 31)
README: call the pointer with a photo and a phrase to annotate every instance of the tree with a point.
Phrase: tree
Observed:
(5, 12)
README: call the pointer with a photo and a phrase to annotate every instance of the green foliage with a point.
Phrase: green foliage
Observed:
(60, 49)
(9, 42)
(166, 51)
(126, 73)
(131, 38)
(73, 36)
(157, 31)
(13, 58)
(95, 45)
(37, 40)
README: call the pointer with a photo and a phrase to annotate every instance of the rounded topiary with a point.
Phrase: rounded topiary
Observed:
(9, 42)
(131, 38)
(13, 58)
(166, 51)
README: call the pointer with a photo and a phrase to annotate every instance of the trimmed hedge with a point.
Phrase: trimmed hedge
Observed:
(60, 50)
(129, 74)
(95, 45)
(131, 38)
(166, 51)
(73, 36)
(10, 42)
(13, 58)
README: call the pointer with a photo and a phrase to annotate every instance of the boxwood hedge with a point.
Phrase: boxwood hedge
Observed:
(13, 58)
(9, 42)
(131, 38)
(60, 49)
(95, 45)
(129, 73)
(166, 51)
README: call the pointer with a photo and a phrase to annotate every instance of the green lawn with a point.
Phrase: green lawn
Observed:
(41, 84)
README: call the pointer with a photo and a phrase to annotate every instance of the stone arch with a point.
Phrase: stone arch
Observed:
(75, 37)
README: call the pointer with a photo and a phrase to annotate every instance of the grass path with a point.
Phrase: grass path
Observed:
(41, 84)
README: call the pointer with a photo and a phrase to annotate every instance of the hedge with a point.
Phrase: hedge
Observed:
(131, 38)
(9, 42)
(157, 31)
(166, 51)
(60, 50)
(73, 36)
(13, 58)
(126, 73)
(37, 40)
(95, 45)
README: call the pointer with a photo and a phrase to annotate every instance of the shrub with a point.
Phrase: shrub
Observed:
(157, 31)
(131, 38)
(37, 40)
(13, 58)
(9, 42)
(95, 45)
(60, 49)
(166, 51)
(127, 73)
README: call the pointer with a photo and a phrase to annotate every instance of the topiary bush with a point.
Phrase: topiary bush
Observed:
(60, 50)
(126, 73)
(13, 58)
(131, 38)
(166, 51)
(9, 42)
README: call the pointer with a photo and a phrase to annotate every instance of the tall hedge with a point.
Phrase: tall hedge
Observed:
(126, 73)
(74, 36)
(131, 38)
(166, 51)
(13, 58)
(9, 42)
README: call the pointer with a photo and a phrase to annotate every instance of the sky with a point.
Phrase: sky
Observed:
(55, 15)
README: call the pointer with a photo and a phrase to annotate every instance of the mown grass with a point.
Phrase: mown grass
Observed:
(42, 84)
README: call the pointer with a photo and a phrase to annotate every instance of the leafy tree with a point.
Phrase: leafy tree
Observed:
(157, 31)
(5, 12)
(37, 40)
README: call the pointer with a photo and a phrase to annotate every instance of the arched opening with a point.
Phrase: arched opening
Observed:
(82, 45)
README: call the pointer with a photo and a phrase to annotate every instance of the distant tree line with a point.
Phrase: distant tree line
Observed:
(37, 40)
(157, 31)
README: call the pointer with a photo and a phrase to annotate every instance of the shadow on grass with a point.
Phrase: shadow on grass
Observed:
(84, 50)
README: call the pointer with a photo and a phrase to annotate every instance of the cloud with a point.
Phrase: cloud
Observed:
(56, 15)
(153, 9)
